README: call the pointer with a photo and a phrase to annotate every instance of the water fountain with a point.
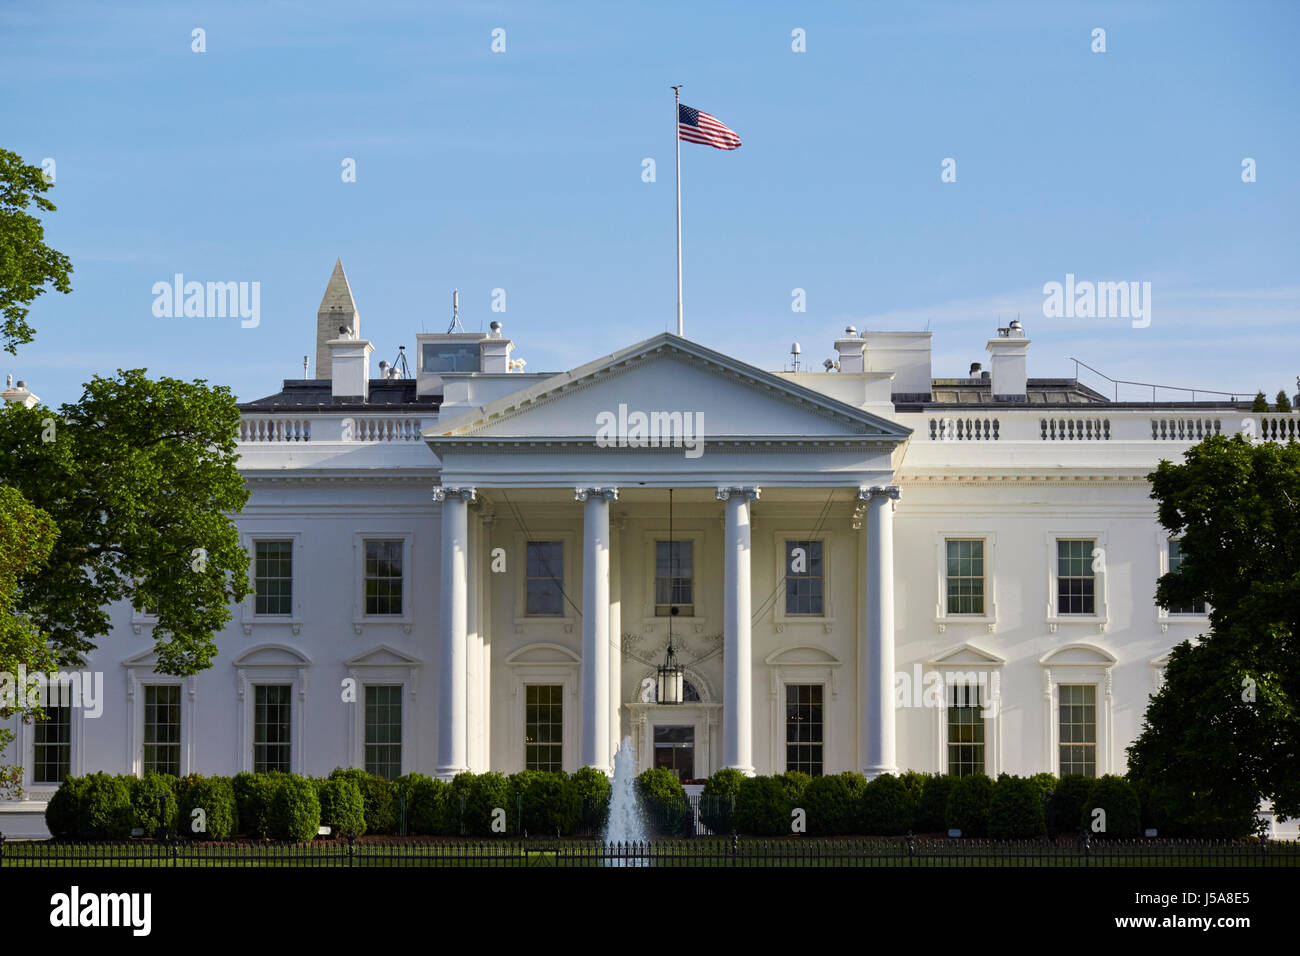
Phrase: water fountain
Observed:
(626, 825)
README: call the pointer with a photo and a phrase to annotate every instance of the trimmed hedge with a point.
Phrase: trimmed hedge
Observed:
(1016, 809)
(104, 808)
(295, 809)
(832, 803)
(144, 801)
(663, 800)
(718, 801)
(216, 797)
(1065, 809)
(886, 807)
(762, 807)
(932, 812)
(485, 793)
(914, 782)
(62, 809)
(968, 805)
(1116, 797)
(426, 804)
(254, 794)
(379, 796)
(548, 799)
(342, 807)
(592, 789)
(796, 785)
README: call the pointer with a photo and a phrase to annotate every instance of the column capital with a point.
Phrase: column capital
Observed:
(749, 493)
(582, 494)
(443, 492)
(878, 491)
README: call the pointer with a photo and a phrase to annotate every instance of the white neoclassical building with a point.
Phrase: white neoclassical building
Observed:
(476, 567)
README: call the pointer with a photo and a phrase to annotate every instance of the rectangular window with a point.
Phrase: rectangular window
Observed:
(804, 581)
(273, 577)
(544, 727)
(674, 578)
(384, 577)
(675, 750)
(384, 730)
(52, 756)
(1076, 585)
(1079, 729)
(965, 576)
(271, 710)
(162, 729)
(965, 730)
(804, 738)
(1175, 559)
(544, 578)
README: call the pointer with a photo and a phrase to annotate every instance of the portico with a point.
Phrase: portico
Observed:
(783, 467)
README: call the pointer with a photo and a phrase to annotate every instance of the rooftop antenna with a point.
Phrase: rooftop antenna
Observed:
(455, 313)
(304, 366)
(794, 352)
(399, 364)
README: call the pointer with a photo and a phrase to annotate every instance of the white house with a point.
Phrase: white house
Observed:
(864, 568)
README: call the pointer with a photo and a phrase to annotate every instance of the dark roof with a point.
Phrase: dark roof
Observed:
(302, 393)
(979, 391)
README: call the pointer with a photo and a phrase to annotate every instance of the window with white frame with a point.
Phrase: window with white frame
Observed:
(273, 577)
(383, 744)
(965, 577)
(272, 711)
(1076, 582)
(544, 578)
(805, 578)
(674, 578)
(1078, 729)
(52, 743)
(1175, 560)
(162, 728)
(544, 727)
(383, 576)
(965, 723)
(805, 728)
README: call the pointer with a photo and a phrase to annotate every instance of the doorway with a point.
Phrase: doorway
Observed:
(675, 749)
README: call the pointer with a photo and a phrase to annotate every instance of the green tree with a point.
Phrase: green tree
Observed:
(1283, 402)
(1224, 730)
(27, 534)
(27, 264)
(1260, 404)
(140, 476)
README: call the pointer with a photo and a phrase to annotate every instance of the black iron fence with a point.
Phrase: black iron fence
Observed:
(707, 851)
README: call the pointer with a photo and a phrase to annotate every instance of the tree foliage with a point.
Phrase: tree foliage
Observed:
(140, 477)
(27, 534)
(1224, 730)
(27, 264)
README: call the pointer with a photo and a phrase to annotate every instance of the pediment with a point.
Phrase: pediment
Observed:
(801, 654)
(272, 655)
(383, 656)
(1079, 654)
(544, 653)
(967, 654)
(660, 378)
(145, 659)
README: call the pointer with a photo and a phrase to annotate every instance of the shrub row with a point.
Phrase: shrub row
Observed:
(1007, 808)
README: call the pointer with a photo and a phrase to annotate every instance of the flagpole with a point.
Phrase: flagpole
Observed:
(677, 138)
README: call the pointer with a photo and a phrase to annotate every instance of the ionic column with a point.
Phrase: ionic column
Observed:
(595, 625)
(737, 649)
(616, 635)
(876, 634)
(453, 723)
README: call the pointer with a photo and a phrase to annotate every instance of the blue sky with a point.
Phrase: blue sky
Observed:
(522, 171)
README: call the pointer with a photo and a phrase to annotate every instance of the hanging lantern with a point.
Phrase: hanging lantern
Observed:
(671, 680)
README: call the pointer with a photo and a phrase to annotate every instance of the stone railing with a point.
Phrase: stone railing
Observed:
(330, 428)
(1027, 424)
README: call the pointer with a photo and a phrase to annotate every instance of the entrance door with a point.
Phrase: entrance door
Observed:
(675, 750)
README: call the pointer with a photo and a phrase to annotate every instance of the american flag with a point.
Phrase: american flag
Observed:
(696, 126)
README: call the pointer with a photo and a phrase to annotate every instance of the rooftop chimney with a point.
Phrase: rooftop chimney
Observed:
(337, 310)
(1008, 353)
(494, 351)
(18, 393)
(850, 349)
(349, 359)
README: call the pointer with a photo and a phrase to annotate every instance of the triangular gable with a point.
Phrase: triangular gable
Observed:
(667, 374)
(967, 654)
(383, 656)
